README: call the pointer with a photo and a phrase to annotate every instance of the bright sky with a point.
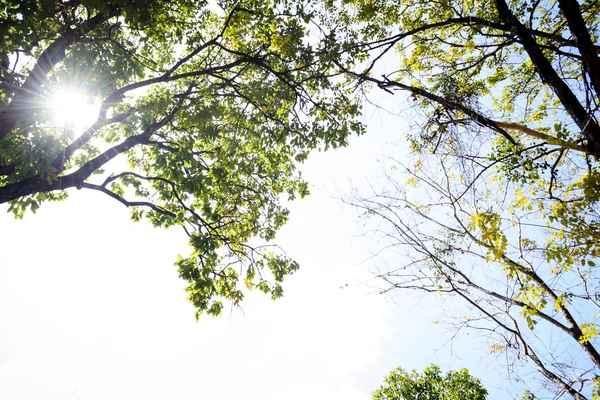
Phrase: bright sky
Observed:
(91, 306)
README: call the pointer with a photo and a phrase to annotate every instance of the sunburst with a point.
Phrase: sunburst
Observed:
(72, 107)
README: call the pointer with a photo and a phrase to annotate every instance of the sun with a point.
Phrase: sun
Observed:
(73, 108)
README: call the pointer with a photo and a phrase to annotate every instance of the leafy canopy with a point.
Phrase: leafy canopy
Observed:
(431, 384)
(204, 112)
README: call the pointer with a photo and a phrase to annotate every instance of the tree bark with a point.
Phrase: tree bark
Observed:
(591, 63)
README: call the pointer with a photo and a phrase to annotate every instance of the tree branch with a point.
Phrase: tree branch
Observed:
(108, 192)
(540, 135)
(474, 115)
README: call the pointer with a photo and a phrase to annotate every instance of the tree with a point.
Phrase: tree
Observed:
(499, 205)
(203, 114)
(430, 384)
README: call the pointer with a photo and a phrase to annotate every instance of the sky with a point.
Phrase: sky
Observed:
(91, 306)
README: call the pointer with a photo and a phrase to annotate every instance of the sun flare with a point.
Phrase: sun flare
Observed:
(71, 107)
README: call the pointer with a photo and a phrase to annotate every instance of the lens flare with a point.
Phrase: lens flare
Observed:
(71, 107)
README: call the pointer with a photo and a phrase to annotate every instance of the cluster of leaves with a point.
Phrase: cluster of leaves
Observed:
(431, 384)
(203, 116)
